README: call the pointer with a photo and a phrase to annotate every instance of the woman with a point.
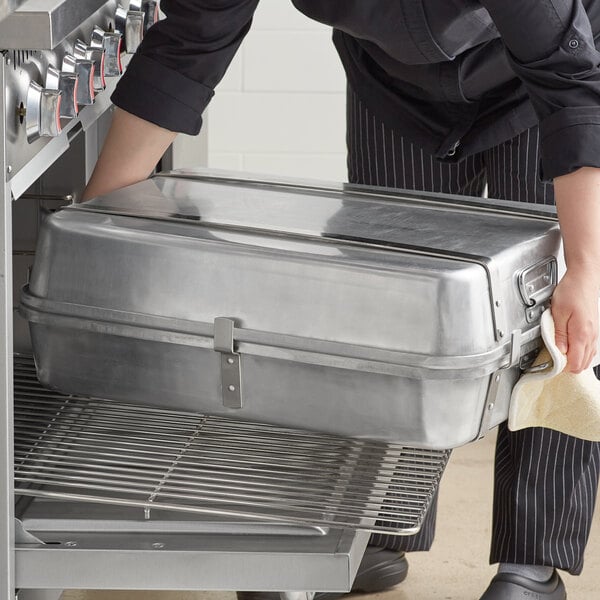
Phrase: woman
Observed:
(444, 95)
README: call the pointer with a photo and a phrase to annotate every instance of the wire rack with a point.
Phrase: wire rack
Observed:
(83, 449)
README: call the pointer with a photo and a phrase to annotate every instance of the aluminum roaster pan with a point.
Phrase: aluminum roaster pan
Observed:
(350, 310)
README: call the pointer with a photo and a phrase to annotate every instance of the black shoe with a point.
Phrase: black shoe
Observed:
(379, 570)
(508, 586)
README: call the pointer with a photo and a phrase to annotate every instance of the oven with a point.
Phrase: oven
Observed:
(101, 494)
(59, 61)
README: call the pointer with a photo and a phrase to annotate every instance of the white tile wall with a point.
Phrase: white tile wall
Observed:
(276, 122)
(291, 61)
(311, 166)
(281, 14)
(281, 106)
(190, 151)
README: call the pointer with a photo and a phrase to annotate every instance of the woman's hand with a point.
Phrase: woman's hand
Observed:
(575, 314)
(575, 300)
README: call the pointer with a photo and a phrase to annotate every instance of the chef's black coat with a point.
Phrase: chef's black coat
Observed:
(453, 76)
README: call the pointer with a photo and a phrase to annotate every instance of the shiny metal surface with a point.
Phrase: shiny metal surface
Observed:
(356, 312)
(37, 168)
(67, 84)
(46, 515)
(171, 561)
(34, 167)
(99, 451)
(43, 24)
(43, 112)
(7, 532)
(85, 72)
(110, 547)
(113, 547)
(110, 42)
(369, 222)
(33, 108)
(82, 51)
(50, 113)
(134, 30)
(29, 160)
(7, 7)
(130, 23)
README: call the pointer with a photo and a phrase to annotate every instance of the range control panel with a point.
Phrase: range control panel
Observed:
(60, 67)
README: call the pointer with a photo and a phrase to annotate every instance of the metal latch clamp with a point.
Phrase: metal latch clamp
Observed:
(536, 284)
(495, 381)
(231, 367)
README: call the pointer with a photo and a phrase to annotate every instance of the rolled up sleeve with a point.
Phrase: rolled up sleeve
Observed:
(171, 78)
(550, 46)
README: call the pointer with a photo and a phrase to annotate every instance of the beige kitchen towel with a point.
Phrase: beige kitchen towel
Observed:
(554, 398)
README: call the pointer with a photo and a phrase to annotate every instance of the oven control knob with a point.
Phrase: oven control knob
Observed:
(42, 116)
(110, 42)
(84, 52)
(84, 69)
(150, 10)
(131, 24)
(67, 83)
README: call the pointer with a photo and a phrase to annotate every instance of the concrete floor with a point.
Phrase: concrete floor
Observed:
(456, 568)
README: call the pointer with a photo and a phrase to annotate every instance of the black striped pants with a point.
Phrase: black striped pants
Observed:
(545, 482)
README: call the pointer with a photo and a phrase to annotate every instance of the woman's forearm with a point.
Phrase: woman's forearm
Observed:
(575, 300)
(578, 205)
(130, 153)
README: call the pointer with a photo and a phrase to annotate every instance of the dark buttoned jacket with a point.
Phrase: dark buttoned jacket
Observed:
(454, 76)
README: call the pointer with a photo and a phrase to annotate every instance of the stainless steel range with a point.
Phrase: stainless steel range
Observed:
(59, 62)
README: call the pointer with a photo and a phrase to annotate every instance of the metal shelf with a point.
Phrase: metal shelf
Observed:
(107, 452)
